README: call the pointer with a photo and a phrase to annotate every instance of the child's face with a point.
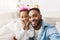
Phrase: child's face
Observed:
(24, 16)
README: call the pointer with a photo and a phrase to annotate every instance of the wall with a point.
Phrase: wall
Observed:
(50, 8)
(8, 10)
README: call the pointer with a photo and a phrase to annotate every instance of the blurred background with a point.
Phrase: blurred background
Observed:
(50, 10)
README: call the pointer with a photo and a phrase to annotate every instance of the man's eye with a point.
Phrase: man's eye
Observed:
(34, 15)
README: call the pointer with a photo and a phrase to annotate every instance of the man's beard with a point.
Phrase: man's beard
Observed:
(38, 23)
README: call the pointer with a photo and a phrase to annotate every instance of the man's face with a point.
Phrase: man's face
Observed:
(34, 18)
(24, 16)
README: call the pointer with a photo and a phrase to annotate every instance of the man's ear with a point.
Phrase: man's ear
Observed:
(41, 16)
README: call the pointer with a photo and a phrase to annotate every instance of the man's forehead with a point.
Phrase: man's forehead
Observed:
(33, 12)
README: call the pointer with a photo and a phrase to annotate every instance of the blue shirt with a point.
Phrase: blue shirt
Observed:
(48, 32)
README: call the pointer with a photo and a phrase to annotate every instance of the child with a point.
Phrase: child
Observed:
(26, 32)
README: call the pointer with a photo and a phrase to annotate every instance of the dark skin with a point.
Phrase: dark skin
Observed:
(38, 27)
(35, 19)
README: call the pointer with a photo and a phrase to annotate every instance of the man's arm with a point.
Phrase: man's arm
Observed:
(53, 33)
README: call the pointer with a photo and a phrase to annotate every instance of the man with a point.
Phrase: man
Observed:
(43, 31)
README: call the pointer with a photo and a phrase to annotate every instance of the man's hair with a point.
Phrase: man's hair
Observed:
(37, 9)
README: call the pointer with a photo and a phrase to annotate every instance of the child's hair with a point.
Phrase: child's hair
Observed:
(23, 9)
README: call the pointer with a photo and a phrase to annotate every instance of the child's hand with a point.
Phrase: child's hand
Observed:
(26, 25)
(14, 38)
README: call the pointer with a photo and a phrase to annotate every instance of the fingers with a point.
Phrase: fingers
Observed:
(14, 38)
(25, 24)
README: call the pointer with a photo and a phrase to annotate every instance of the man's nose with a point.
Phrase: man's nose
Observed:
(33, 18)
